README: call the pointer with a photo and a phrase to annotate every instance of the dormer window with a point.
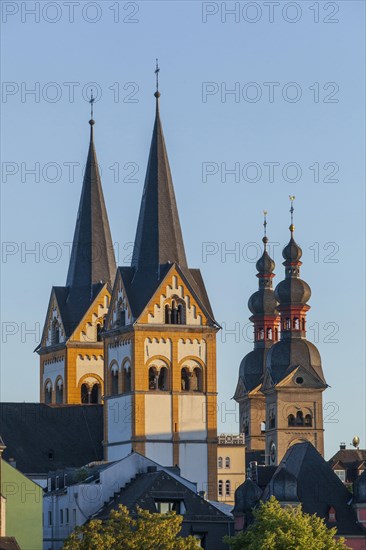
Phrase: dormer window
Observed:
(332, 515)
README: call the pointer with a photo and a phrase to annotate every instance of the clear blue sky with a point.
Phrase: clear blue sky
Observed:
(324, 130)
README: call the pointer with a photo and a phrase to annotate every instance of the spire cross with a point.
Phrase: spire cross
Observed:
(157, 71)
(292, 198)
(91, 101)
(265, 240)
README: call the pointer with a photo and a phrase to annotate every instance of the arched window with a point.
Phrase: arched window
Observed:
(263, 426)
(55, 332)
(227, 462)
(291, 420)
(261, 334)
(99, 332)
(153, 378)
(296, 323)
(163, 379)
(48, 393)
(84, 393)
(219, 462)
(308, 420)
(299, 419)
(127, 379)
(220, 484)
(59, 391)
(175, 313)
(227, 488)
(94, 394)
(288, 323)
(185, 379)
(121, 313)
(269, 333)
(114, 380)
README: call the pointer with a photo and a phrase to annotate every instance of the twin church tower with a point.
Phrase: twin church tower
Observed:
(142, 339)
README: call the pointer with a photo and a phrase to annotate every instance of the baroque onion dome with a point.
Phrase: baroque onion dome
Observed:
(263, 306)
(292, 293)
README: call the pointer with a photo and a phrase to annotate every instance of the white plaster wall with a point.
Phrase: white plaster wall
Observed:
(162, 453)
(158, 415)
(119, 352)
(53, 369)
(192, 416)
(89, 364)
(193, 463)
(197, 348)
(158, 347)
(117, 452)
(119, 410)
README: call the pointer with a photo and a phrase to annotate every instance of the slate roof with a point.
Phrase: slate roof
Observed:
(41, 438)
(145, 488)
(318, 487)
(159, 236)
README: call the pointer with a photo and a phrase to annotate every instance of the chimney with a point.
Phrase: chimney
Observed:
(342, 446)
(202, 494)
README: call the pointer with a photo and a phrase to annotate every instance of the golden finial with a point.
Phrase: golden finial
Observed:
(292, 227)
(356, 441)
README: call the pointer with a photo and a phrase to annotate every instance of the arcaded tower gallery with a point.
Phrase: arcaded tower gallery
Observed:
(71, 348)
(160, 342)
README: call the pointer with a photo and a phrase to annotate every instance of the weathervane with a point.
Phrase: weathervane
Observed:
(292, 198)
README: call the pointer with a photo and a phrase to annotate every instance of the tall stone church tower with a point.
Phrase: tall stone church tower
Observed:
(160, 342)
(281, 381)
(71, 348)
(294, 381)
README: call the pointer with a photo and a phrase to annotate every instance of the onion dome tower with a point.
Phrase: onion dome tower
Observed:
(294, 380)
(263, 306)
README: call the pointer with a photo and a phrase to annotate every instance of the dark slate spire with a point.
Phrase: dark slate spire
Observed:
(92, 256)
(159, 238)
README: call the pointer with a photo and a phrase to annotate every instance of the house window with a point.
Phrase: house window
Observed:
(165, 506)
(114, 381)
(153, 378)
(308, 420)
(219, 462)
(61, 516)
(74, 516)
(67, 519)
(227, 488)
(163, 379)
(185, 379)
(220, 488)
(59, 391)
(48, 393)
(50, 518)
(341, 474)
(227, 462)
(291, 420)
(94, 394)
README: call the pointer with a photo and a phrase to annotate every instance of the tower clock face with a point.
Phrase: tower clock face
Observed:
(272, 452)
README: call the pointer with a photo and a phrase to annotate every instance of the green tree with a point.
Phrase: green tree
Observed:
(122, 532)
(288, 528)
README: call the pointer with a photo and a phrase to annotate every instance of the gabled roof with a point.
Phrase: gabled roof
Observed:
(148, 487)
(349, 457)
(41, 438)
(141, 286)
(159, 236)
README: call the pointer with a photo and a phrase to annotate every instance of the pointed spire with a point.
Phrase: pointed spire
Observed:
(92, 256)
(159, 238)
